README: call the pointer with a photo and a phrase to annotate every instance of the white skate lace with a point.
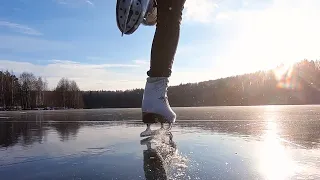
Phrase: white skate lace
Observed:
(164, 96)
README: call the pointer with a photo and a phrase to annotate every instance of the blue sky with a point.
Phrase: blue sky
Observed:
(79, 39)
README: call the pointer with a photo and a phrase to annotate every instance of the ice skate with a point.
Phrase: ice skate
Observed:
(156, 107)
(151, 15)
(145, 12)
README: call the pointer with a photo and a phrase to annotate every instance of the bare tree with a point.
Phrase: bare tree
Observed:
(69, 93)
(62, 91)
(28, 82)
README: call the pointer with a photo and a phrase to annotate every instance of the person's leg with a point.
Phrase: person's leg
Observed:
(155, 104)
(166, 38)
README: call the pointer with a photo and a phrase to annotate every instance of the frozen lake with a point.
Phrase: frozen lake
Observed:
(263, 142)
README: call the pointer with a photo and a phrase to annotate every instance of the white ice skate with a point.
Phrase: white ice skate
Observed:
(155, 106)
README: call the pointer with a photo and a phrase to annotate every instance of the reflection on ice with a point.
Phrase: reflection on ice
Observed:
(162, 159)
(275, 161)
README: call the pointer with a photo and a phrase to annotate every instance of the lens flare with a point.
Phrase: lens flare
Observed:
(286, 77)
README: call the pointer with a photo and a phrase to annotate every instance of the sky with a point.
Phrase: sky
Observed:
(79, 39)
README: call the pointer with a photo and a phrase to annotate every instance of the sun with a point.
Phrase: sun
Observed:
(286, 76)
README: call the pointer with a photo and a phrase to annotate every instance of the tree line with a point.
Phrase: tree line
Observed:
(27, 91)
(295, 84)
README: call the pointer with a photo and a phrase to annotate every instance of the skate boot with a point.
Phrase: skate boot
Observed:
(151, 15)
(155, 104)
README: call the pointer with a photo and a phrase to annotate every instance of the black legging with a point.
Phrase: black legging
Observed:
(165, 41)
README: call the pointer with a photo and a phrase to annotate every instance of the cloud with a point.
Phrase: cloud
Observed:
(142, 62)
(94, 58)
(72, 2)
(199, 10)
(102, 76)
(20, 28)
(31, 44)
(89, 2)
(137, 62)
(87, 76)
(57, 61)
(222, 16)
(97, 66)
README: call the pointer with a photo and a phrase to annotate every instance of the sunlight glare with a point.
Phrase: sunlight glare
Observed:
(275, 162)
(285, 77)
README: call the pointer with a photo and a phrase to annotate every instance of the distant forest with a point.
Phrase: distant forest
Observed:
(29, 92)
(296, 84)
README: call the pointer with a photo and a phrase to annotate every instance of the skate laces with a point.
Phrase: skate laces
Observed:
(161, 87)
(164, 88)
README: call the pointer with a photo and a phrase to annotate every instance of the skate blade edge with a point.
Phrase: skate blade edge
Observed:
(151, 133)
(152, 118)
(158, 132)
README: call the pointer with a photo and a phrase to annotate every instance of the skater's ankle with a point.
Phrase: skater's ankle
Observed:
(157, 73)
